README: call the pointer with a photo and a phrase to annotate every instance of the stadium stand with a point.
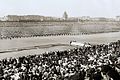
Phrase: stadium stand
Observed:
(97, 62)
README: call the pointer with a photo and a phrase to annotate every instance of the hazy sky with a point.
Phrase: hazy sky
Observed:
(105, 8)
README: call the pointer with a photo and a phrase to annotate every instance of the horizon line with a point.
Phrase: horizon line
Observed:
(59, 16)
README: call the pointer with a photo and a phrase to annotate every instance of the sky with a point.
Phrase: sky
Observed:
(74, 8)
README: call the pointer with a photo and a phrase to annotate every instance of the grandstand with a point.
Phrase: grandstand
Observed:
(96, 62)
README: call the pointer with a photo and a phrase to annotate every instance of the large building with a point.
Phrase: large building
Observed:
(51, 18)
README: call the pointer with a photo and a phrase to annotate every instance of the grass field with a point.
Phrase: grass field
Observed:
(7, 44)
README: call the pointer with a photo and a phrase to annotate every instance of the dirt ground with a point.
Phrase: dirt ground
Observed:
(102, 38)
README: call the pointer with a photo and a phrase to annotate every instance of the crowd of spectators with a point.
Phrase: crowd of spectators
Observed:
(96, 62)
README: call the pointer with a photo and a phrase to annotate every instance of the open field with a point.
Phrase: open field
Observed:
(102, 38)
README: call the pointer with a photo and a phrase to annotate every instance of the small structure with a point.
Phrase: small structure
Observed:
(117, 18)
(74, 43)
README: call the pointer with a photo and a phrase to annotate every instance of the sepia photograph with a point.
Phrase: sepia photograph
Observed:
(59, 39)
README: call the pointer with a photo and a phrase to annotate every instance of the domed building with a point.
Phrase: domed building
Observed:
(65, 16)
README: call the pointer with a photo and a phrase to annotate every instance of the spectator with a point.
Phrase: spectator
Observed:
(95, 62)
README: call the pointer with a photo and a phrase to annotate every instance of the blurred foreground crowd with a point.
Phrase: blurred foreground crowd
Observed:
(97, 62)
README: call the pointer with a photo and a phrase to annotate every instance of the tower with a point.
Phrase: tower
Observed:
(65, 16)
